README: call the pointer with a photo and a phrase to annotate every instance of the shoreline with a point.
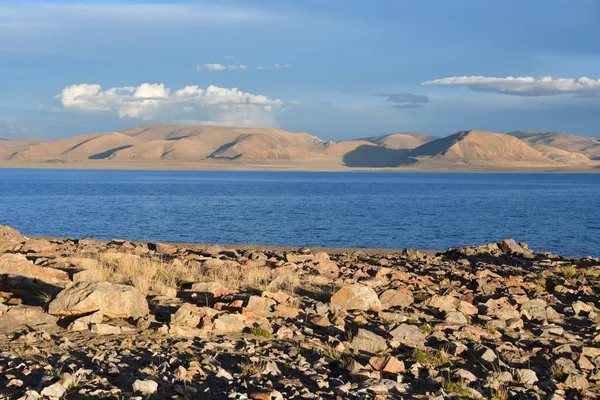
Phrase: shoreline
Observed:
(307, 166)
(370, 251)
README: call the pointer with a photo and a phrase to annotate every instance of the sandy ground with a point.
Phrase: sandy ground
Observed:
(290, 166)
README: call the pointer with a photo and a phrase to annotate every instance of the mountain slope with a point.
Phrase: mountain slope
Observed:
(562, 147)
(479, 146)
(401, 140)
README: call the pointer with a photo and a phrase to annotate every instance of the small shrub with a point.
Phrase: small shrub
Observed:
(558, 374)
(430, 358)
(251, 369)
(426, 329)
(457, 388)
(261, 333)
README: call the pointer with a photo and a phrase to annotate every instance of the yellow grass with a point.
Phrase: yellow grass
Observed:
(151, 275)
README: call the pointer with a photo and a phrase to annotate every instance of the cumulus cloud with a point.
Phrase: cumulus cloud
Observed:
(524, 86)
(155, 101)
(406, 100)
(219, 67)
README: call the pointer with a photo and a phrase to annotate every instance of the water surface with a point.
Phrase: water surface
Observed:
(554, 212)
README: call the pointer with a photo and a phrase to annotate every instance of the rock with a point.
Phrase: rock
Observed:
(395, 298)
(368, 341)
(114, 301)
(38, 246)
(83, 323)
(456, 317)
(261, 305)
(509, 246)
(89, 275)
(328, 269)
(407, 335)
(580, 306)
(534, 309)
(162, 248)
(10, 239)
(299, 258)
(26, 317)
(214, 289)
(105, 329)
(389, 364)
(18, 265)
(228, 323)
(54, 391)
(191, 316)
(14, 384)
(464, 375)
(526, 376)
(442, 303)
(357, 297)
(577, 381)
(146, 387)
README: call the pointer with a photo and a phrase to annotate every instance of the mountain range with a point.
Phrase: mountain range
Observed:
(199, 147)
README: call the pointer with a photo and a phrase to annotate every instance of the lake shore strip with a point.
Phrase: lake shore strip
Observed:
(83, 318)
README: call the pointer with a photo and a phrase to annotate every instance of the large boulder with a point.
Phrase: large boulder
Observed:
(509, 246)
(115, 301)
(10, 239)
(19, 265)
(357, 297)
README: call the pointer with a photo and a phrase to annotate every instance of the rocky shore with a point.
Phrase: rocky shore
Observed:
(81, 318)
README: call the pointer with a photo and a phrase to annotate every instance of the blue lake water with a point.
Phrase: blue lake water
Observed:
(553, 212)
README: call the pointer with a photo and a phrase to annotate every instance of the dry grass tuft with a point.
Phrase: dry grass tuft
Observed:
(150, 275)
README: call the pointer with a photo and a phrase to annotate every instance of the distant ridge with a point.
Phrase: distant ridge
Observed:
(476, 146)
(562, 147)
(402, 140)
(154, 146)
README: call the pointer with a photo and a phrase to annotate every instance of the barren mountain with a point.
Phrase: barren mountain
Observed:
(562, 147)
(478, 146)
(226, 147)
(402, 140)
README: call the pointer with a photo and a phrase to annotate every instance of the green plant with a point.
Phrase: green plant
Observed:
(568, 271)
(331, 353)
(427, 329)
(430, 358)
(499, 394)
(251, 369)
(261, 333)
(558, 373)
(457, 388)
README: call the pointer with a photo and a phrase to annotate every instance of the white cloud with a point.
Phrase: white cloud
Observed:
(219, 67)
(156, 102)
(524, 86)
(275, 66)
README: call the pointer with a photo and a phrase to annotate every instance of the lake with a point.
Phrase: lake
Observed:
(553, 212)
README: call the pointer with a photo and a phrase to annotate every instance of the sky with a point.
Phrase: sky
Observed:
(337, 69)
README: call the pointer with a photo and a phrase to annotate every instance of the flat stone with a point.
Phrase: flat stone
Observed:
(19, 265)
(395, 298)
(357, 297)
(115, 301)
(368, 341)
(407, 335)
(145, 387)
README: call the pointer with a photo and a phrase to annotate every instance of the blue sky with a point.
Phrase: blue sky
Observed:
(337, 69)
